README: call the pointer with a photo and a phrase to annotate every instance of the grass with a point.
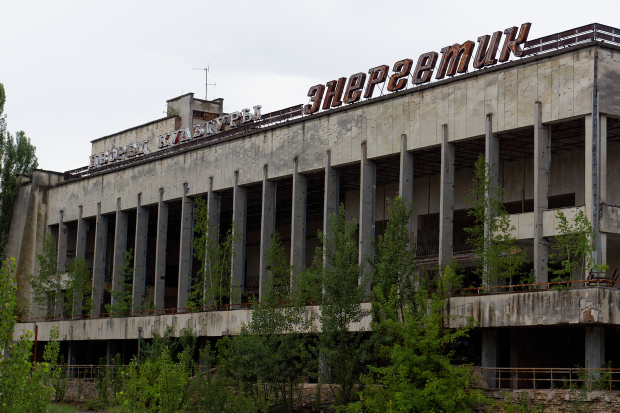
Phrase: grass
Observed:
(60, 408)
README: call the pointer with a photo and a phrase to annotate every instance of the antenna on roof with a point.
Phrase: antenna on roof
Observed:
(207, 84)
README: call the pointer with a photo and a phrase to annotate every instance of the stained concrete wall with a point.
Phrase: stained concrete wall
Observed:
(205, 324)
(148, 132)
(562, 82)
(587, 306)
(584, 306)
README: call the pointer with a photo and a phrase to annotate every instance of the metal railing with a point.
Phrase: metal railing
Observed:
(583, 34)
(551, 378)
(487, 290)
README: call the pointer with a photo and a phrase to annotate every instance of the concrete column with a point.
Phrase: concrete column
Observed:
(213, 211)
(542, 158)
(595, 347)
(80, 252)
(603, 182)
(592, 178)
(490, 353)
(405, 182)
(185, 249)
(240, 200)
(298, 220)
(368, 189)
(267, 227)
(120, 246)
(61, 258)
(446, 199)
(139, 258)
(101, 238)
(491, 154)
(160, 252)
(331, 199)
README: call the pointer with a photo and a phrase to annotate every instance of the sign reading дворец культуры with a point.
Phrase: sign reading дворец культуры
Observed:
(455, 59)
(211, 127)
(118, 154)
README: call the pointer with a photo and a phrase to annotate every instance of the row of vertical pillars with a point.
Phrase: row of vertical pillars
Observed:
(138, 239)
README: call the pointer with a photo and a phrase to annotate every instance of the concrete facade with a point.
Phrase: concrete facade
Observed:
(532, 118)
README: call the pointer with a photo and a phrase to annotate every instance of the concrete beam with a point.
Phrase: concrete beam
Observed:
(595, 347)
(240, 205)
(80, 252)
(61, 258)
(139, 258)
(368, 189)
(213, 211)
(331, 199)
(405, 181)
(101, 238)
(185, 248)
(446, 200)
(542, 160)
(160, 251)
(267, 227)
(298, 220)
(490, 355)
(491, 155)
(120, 246)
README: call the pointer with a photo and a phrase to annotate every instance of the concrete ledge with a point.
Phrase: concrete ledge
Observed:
(205, 324)
(585, 306)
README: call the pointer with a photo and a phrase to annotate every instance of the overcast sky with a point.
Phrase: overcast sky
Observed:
(75, 71)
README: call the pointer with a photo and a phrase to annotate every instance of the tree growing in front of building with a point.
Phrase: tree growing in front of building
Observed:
(343, 354)
(78, 295)
(213, 284)
(573, 247)
(274, 351)
(17, 157)
(47, 286)
(24, 386)
(121, 304)
(415, 368)
(498, 259)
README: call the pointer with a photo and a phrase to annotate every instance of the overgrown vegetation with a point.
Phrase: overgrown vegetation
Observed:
(121, 304)
(498, 259)
(24, 385)
(213, 284)
(17, 157)
(572, 257)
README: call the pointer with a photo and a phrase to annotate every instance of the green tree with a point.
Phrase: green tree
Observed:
(17, 157)
(213, 286)
(573, 248)
(24, 387)
(47, 286)
(343, 355)
(419, 374)
(79, 295)
(122, 295)
(499, 260)
(274, 351)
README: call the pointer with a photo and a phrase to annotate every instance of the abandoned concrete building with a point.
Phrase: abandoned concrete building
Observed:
(547, 119)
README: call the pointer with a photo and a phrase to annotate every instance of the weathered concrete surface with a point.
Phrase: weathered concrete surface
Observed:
(204, 324)
(561, 82)
(587, 306)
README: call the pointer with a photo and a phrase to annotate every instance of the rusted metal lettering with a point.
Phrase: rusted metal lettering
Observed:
(376, 75)
(333, 94)
(511, 44)
(316, 95)
(485, 55)
(398, 80)
(354, 87)
(455, 59)
(424, 69)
